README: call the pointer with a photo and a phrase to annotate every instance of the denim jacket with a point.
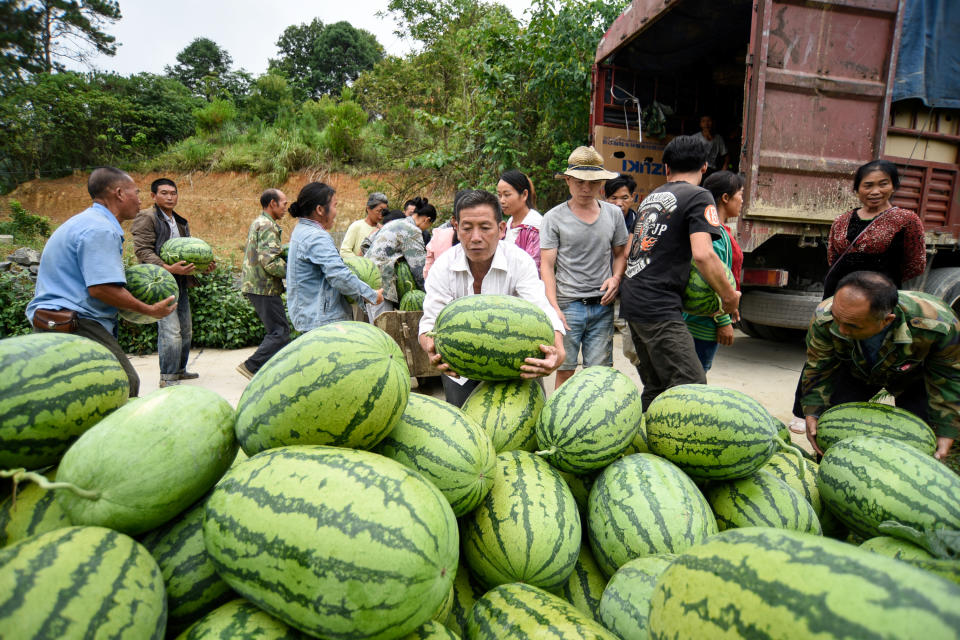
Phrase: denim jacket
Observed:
(318, 280)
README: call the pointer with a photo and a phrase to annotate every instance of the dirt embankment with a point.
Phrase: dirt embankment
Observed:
(219, 206)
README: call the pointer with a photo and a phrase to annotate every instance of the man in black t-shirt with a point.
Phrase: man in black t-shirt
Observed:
(675, 223)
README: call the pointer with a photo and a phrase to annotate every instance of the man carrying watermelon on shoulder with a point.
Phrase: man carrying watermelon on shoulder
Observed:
(483, 263)
(151, 228)
(869, 337)
(81, 276)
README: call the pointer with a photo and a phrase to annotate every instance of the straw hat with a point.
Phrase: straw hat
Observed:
(586, 163)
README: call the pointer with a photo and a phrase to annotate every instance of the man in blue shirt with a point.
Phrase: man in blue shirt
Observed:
(81, 268)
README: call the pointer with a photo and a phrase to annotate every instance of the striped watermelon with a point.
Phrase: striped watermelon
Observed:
(488, 337)
(80, 582)
(786, 467)
(710, 432)
(874, 419)
(240, 620)
(527, 528)
(413, 301)
(589, 421)
(32, 512)
(335, 542)
(54, 387)
(775, 583)
(443, 611)
(944, 568)
(431, 631)
(585, 585)
(366, 270)
(639, 442)
(699, 299)
(446, 447)
(625, 604)
(190, 250)
(761, 500)
(895, 548)
(580, 486)
(149, 460)
(642, 505)
(405, 280)
(192, 584)
(522, 612)
(465, 593)
(148, 283)
(508, 412)
(868, 480)
(344, 384)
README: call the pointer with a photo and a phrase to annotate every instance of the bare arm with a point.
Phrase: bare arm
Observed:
(553, 357)
(711, 268)
(611, 285)
(121, 298)
(548, 261)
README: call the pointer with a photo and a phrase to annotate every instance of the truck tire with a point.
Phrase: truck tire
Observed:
(783, 309)
(944, 283)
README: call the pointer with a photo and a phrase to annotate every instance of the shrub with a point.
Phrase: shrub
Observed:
(215, 115)
(341, 136)
(16, 291)
(25, 227)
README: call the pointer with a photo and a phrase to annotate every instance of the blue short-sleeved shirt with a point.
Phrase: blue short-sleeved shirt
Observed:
(84, 251)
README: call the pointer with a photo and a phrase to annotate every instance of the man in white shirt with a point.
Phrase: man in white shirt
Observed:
(482, 263)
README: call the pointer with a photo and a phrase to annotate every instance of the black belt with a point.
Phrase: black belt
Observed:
(588, 301)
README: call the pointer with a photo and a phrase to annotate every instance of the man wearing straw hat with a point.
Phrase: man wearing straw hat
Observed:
(582, 248)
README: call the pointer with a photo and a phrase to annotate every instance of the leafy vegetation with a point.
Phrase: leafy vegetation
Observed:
(25, 227)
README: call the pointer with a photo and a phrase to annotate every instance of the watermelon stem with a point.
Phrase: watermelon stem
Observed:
(19, 475)
(546, 452)
(792, 448)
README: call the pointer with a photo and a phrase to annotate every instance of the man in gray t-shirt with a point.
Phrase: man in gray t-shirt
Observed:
(582, 246)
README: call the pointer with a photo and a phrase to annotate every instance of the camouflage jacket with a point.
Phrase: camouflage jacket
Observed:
(398, 239)
(923, 340)
(263, 265)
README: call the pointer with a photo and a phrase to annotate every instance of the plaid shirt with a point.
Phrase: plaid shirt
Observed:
(263, 265)
(923, 340)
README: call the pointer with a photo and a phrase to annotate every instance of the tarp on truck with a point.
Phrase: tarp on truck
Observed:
(929, 60)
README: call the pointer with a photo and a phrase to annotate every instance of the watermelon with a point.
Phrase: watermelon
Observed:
(446, 447)
(488, 337)
(580, 486)
(874, 419)
(585, 585)
(405, 280)
(945, 568)
(335, 542)
(639, 442)
(80, 582)
(366, 270)
(31, 512)
(699, 299)
(54, 387)
(344, 384)
(625, 603)
(710, 432)
(285, 250)
(412, 301)
(240, 620)
(526, 529)
(642, 505)
(431, 631)
(149, 460)
(148, 283)
(786, 467)
(192, 584)
(521, 612)
(589, 421)
(507, 411)
(775, 583)
(190, 250)
(465, 593)
(761, 500)
(443, 612)
(895, 548)
(868, 480)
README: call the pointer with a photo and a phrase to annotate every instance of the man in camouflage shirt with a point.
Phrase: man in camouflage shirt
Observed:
(264, 268)
(870, 337)
(399, 240)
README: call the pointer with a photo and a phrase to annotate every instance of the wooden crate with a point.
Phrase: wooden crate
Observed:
(402, 326)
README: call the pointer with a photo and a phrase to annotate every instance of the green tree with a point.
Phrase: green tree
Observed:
(321, 59)
(202, 66)
(270, 95)
(19, 43)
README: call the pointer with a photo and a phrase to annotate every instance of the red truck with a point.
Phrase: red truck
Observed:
(804, 92)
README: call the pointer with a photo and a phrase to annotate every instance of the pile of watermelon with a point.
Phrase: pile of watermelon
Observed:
(334, 503)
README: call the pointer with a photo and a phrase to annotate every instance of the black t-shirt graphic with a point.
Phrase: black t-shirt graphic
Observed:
(659, 262)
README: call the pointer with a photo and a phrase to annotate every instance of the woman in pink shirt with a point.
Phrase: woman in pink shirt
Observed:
(517, 200)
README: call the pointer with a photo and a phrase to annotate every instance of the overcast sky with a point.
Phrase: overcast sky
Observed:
(152, 32)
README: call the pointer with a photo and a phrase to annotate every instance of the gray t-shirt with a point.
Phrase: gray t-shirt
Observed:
(584, 251)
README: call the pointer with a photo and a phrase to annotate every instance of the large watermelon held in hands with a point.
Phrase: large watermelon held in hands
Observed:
(488, 337)
(775, 583)
(190, 250)
(54, 387)
(336, 542)
(344, 384)
(874, 419)
(590, 420)
(366, 270)
(148, 283)
(507, 411)
(699, 299)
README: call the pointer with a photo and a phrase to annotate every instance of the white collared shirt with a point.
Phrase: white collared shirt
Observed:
(512, 272)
